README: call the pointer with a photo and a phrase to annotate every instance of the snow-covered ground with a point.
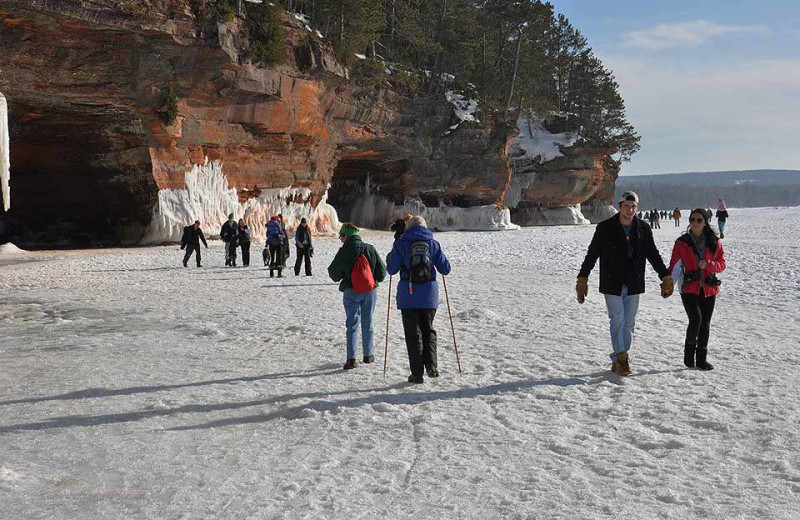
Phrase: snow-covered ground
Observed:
(131, 387)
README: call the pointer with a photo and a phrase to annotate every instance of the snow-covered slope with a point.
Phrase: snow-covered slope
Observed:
(134, 388)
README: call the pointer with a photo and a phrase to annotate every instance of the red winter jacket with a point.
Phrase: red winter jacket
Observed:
(684, 251)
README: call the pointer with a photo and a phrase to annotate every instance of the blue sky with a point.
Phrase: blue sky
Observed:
(709, 84)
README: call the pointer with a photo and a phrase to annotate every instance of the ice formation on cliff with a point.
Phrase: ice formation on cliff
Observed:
(208, 198)
(377, 212)
(5, 154)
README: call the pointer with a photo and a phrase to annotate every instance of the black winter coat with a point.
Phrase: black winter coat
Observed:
(229, 231)
(398, 227)
(192, 237)
(622, 262)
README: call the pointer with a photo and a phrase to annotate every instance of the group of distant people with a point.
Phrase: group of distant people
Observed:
(655, 217)
(237, 235)
(623, 244)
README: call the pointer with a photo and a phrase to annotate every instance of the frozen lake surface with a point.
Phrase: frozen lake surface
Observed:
(131, 387)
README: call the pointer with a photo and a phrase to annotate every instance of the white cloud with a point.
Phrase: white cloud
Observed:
(689, 34)
(694, 117)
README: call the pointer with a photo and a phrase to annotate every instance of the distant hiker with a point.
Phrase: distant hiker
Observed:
(230, 234)
(654, 219)
(417, 257)
(722, 216)
(698, 256)
(400, 225)
(244, 242)
(285, 254)
(275, 245)
(302, 241)
(359, 269)
(192, 235)
(676, 215)
(622, 243)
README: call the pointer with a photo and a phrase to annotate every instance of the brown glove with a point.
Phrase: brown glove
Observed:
(582, 288)
(667, 286)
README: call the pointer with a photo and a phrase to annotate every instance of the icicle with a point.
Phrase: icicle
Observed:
(5, 154)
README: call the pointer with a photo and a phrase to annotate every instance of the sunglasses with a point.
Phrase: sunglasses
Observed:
(698, 220)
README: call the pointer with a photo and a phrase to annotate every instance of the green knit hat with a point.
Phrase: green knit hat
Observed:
(230, 215)
(348, 229)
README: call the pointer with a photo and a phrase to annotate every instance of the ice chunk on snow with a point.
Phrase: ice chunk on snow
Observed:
(5, 155)
(533, 140)
(208, 199)
(9, 249)
(464, 108)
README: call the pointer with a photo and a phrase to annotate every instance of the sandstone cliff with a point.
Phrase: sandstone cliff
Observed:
(86, 84)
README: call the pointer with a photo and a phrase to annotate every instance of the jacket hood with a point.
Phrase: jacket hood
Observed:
(417, 233)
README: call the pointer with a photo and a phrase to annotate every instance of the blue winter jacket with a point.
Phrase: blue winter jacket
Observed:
(273, 232)
(423, 295)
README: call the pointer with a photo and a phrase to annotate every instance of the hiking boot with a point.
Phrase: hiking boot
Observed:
(624, 368)
(184, 265)
(432, 371)
(688, 356)
(702, 364)
(417, 380)
(369, 359)
(351, 364)
(614, 367)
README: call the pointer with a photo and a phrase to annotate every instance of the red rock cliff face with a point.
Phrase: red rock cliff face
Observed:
(85, 82)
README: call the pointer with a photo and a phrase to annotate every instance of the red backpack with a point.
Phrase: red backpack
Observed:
(361, 275)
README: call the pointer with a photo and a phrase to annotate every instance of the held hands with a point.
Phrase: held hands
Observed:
(582, 288)
(667, 286)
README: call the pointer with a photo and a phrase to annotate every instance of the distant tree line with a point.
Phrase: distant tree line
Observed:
(686, 196)
(516, 56)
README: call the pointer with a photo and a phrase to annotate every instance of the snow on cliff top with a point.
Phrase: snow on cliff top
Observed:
(534, 140)
(465, 108)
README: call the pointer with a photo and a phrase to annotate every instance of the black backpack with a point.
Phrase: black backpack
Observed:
(420, 262)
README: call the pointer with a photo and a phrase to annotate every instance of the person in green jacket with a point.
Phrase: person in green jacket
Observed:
(359, 307)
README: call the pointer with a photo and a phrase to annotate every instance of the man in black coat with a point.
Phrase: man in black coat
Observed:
(399, 226)
(192, 235)
(230, 234)
(302, 241)
(623, 243)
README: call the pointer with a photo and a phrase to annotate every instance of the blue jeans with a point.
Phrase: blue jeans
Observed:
(359, 307)
(622, 319)
(721, 226)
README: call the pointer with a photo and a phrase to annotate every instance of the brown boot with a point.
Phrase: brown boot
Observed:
(624, 367)
(351, 364)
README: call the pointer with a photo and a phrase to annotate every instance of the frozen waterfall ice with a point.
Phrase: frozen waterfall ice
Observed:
(5, 154)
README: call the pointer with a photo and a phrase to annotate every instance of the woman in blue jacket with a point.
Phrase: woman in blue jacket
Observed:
(417, 257)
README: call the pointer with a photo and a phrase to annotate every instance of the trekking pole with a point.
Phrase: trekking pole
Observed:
(452, 327)
(388, 309)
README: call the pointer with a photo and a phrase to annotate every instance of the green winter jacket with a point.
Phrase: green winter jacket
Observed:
(343, 262)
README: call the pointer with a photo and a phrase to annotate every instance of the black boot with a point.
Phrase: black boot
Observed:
(702, 364)
(688, 356)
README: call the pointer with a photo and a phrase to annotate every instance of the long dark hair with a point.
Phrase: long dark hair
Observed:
(711, 236)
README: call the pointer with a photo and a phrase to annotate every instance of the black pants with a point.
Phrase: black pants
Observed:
(420, 339)
(275, 258)
(699, 309)
(245, 253)
(230, 253)
(302, 253)
(189, 250)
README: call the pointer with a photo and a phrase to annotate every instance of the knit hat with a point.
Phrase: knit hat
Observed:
(348, 229)
(230, 215)
(721, 205)
(408, 216)
(303, 220)
(629, 196)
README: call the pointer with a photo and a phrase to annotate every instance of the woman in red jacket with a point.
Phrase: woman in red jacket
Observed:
(700, 256)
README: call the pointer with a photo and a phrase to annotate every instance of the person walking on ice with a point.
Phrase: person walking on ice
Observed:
(417, 257)
(192, 235)
(359, 269)
(722, 217)
(623, 243)
(229, 233)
